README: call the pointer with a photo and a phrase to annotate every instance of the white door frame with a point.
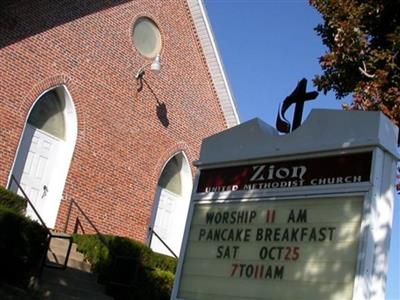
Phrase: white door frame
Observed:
(187, 185)
(61, 169)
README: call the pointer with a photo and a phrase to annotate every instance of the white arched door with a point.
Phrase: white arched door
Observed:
(45, 152)
(34, 167)
(172, 204)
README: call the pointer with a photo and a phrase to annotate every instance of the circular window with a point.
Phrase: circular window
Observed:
(147, 37)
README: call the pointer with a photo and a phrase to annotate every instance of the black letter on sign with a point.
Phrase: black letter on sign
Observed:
(301, 216)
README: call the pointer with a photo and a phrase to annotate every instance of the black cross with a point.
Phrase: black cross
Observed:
(297, 97)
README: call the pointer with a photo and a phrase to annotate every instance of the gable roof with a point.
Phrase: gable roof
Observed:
(214, 62)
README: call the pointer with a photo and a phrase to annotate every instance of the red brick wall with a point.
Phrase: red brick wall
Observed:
(121, 145)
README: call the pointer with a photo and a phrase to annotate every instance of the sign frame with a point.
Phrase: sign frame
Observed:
(378, 194)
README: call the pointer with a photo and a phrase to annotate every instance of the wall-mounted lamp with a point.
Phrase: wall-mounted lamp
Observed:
(155, 66)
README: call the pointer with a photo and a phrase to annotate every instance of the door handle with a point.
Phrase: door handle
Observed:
(45, 190)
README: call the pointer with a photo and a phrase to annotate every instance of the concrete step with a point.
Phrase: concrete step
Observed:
(54, 292)
(62, 246)
(58, 296)
(9, 292)
(58, 251)
(76, 282)
(53, 252)
(78, 264)
(71, 277)
(57, 242)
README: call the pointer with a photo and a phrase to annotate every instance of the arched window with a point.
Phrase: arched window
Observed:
(47, 114)
(170, 178)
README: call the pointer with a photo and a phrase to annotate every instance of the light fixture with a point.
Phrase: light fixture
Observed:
(155, 66)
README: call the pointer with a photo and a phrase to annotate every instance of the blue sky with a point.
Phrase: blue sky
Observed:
(267, 46)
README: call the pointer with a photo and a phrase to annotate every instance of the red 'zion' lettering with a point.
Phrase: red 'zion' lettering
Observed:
(338, 169)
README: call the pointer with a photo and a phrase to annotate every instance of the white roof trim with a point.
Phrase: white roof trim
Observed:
(324, 130)
(215, 66)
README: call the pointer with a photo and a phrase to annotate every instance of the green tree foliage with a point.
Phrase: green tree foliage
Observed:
(363, 41)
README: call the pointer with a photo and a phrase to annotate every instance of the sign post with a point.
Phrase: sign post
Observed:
(272, 218)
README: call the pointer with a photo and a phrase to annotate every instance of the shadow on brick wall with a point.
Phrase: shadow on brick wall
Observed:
(161, 108)
(20, 19)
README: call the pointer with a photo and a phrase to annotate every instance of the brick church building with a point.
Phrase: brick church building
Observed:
(85, 116)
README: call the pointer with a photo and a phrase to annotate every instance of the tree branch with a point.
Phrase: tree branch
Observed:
(364, 71)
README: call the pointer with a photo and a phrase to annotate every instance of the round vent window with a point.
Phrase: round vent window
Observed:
(147, 37)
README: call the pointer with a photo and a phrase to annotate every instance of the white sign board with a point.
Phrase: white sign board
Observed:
(288, 249)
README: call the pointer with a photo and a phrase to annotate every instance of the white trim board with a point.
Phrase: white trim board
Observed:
(214, 62)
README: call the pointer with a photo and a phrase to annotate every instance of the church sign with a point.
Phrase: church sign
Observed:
(339, 169)
(310, 223)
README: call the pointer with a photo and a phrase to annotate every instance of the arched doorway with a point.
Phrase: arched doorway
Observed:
(45, 152)
(172, 204)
